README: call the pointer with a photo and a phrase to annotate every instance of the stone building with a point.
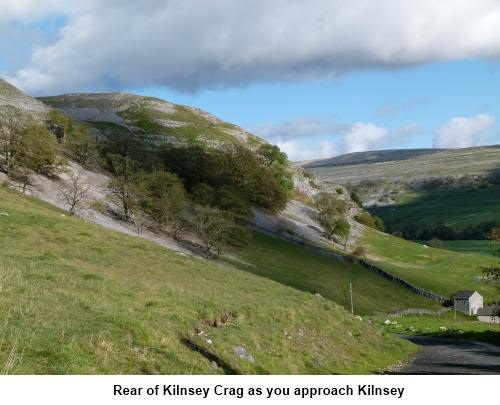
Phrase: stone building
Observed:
(468, 302)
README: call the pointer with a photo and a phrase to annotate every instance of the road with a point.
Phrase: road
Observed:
(452, 356)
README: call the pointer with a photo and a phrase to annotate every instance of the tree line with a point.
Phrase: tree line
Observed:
(190, 188)
(441, 231)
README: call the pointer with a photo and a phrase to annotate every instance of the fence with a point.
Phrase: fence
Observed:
(417, 311)
(406, 284)
(417, 290)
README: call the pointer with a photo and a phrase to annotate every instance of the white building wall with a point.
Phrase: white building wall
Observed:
(475, 303)
(469, 305)
(488, 318)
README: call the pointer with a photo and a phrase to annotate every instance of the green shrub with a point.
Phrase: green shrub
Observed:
(357, 199)
(371, 221)
(436, 243)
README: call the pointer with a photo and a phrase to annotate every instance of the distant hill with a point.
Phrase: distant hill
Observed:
(406, 165)
(375, 156)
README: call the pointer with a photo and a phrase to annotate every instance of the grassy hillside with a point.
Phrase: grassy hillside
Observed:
(305, 270)
(455, 208)
(77, 298)
(437, 270)
(484, 247)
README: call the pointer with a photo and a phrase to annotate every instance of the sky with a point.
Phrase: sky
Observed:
(318, 78)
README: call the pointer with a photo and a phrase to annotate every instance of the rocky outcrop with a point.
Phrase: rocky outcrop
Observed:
(173, 123)
(11, 96)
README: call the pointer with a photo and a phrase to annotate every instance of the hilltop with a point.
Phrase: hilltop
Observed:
(374, 156)
(11, 96)
(166, 122)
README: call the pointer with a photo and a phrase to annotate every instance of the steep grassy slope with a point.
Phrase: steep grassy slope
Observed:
(166, 122)
(77, 298)
(455, 208)
(305, 270)
(437, 270)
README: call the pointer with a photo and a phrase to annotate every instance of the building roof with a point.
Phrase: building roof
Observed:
(464, 294)
(489, 311)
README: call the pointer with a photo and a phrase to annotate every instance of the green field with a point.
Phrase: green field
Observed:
(305, 270)
(484, 247)
(437, 270)
(457, 208)
(80, 299)
(457, 325)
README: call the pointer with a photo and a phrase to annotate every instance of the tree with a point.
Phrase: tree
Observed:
(160, 195)
(357, 199)
(183, 220)
(39, 150)
(81, 146)
(270, 154)
(11, 127)
(140, 222)
(74, 194)
(59, 125)
(328, 201)
(330, 211)
(213, 227)
(494, 236)
(203, 194)
(492, 273)
(342, 230)
(124, 193)
(24, 177)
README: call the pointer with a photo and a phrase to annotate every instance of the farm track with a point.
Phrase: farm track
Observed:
(452, 356)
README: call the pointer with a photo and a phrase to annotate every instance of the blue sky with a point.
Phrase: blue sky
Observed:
(427, 96)
(319, 89)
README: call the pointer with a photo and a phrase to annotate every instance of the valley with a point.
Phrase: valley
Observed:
(144, 237)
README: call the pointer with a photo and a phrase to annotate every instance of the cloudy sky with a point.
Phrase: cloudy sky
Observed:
(319, 78)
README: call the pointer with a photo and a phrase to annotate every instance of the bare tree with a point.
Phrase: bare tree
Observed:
(182, 221)
(212, 227)
(23, 176)
(123, 193)
(75, 193)
(140, 222)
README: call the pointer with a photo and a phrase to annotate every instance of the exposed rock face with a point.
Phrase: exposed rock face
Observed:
(173, 123)
(9, 95)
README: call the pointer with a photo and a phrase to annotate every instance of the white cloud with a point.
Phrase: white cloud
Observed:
(363, 137)
(298, 128)
(463, 132)
(29, 9)
(298, 151)
(192, 44)
(308, 138)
